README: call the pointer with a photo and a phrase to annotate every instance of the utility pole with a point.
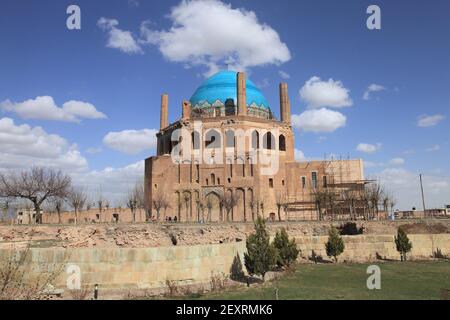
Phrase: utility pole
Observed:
(423, 197)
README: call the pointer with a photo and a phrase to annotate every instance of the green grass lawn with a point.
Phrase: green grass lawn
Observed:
(408, 280)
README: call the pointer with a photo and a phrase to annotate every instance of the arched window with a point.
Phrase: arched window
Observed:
(230, 138)
(212, 139)
(269, 141)
(213, 179)
(229, 107)
(282, 143)
(195, 140)
(255, 140)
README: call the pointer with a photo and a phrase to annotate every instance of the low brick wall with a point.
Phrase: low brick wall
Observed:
(151, 267)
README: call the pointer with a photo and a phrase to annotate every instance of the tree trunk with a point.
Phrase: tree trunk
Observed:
(59, 217)
(279, 214)
(134, 215)
(37, 208)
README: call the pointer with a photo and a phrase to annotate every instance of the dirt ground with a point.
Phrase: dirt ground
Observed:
(155, 235)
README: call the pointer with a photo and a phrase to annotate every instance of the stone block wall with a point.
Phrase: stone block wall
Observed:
(150, 267)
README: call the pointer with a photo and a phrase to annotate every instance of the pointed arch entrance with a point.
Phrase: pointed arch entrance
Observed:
(212, 206)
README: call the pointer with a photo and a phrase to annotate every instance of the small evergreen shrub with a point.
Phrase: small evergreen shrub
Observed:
(237, 272)
(261, 255)
(287, 251)
(402, 243)
(335, 245)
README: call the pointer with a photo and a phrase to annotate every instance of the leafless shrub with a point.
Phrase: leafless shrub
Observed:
(218, 281)
(18, 283)
(438, 254)
(80, 294)
(172, 288)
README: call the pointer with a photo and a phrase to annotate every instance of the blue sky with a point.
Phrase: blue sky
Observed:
(407, 63)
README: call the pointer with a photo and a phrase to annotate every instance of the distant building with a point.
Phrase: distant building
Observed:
(429, 213)
(25, 216)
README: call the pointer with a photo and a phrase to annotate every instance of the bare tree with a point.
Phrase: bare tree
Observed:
(320, 199)
(135, 199)
(200, 209)
(253, 204)
(261, 205)
(165, 206)
(229, 201)
(57, 204)
(286, 210)
(392, 204)
(5, 208)
(77, 198)
(37, 185)
(375, 194)
(187, 200)
(100, 205)
(158, 203)
(281, 202)
(209, 206)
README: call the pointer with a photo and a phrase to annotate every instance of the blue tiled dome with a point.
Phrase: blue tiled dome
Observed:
(222, 86)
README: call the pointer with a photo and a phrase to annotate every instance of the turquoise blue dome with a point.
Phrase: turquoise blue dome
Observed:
(222, 86)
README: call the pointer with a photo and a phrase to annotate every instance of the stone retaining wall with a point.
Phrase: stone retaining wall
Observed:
(363, 248)
(151, 267)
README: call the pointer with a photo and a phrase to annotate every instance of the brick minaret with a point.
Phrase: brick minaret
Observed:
(164, 120)
(241, 94)
(285, 105)
(186, 109)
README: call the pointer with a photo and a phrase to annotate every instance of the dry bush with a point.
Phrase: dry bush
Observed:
(438, 254)
(218, 281)
(80, 294)
(17, 282)
(172, 288)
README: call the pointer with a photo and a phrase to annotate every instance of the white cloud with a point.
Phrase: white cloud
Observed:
(131, 141)
(133, 3)
(370, 164)
(368, 148)
(318, 94)
(284, 74)
(45, 108)
(94, 150)
(213, 34)
(434, 147)
(299, 155)
(264, 83)
(429, 121)
(406, 188)
(397, 161)
(112, 183)
(372, 88)
(24, 146)
(117, 38)
(321, 120)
